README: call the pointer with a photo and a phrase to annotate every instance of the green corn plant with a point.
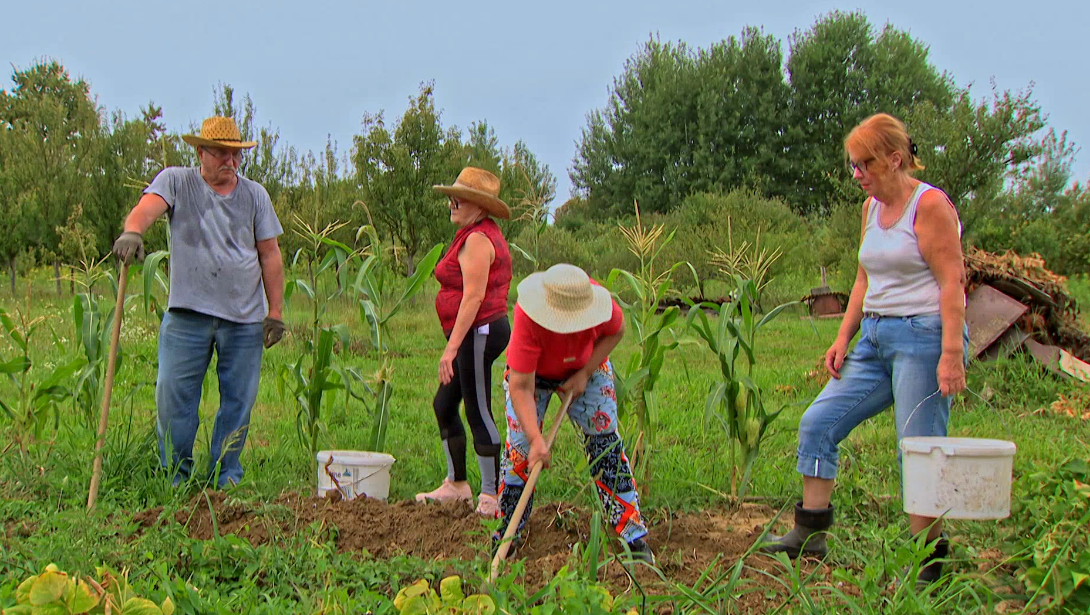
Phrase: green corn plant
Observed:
(92, 318)
(34, 410)
(534, 206)
(376, 303)
(376, 307)
(315, 373)
(750, 261)
(736, 402)
(635, 383)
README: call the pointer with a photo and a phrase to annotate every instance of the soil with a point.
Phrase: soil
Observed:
(685, 544)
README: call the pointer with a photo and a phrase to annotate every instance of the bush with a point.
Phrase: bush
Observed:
(554, 245)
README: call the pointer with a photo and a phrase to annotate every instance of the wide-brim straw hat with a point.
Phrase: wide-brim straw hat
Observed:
(480, 187)
(219, 132)
(563, 300)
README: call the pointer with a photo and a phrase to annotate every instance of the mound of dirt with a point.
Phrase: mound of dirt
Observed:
(685, 545)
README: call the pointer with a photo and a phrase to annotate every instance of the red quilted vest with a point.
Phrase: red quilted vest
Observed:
(449, 273)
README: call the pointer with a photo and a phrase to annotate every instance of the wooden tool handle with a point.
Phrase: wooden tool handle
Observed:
(527, 491)
(107, 390)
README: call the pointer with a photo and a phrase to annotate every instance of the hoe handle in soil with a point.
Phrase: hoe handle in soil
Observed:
(107, 390)
(527, 491)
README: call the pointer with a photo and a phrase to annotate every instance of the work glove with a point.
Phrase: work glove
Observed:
(128, 245)
(274, 331)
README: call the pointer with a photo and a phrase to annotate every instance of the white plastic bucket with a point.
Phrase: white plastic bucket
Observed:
(957, 478)
(354, 473)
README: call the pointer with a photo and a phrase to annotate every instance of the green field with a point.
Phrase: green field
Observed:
(296, 565)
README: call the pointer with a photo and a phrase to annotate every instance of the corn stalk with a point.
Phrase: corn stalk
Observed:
(750, 261)
(736, 402)
(635, 384)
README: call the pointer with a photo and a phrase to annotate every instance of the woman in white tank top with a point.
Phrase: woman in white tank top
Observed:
(909, 302)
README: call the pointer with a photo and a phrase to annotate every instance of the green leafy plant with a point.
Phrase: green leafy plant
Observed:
(1055, 549)
(635, 384)
(315, 373)
(420, 599)
(54, 592)
(33, 412)
(376, 303)
(92, 318)
(750, 261)
(736, 401)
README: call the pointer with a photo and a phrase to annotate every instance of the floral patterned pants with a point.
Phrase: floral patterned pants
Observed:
(595, 413)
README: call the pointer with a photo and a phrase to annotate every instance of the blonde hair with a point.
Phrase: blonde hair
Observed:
(880, 135)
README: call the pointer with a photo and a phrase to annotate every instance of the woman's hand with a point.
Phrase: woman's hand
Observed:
(834, 357)
(539, 451)
(951, 374)
(576, 384)
(446, 365)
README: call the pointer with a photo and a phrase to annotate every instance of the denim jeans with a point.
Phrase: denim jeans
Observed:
(893, 363)
(186, 341)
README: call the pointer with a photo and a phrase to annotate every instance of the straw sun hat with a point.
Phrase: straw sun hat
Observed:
(480, 187)
(563, 300)
(219, 132)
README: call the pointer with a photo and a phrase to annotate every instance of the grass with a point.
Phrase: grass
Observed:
(44, 494)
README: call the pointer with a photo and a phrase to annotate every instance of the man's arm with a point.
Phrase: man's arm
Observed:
(148, 209)
(272, 275)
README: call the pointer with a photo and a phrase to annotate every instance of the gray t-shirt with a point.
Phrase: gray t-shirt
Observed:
(214, 266)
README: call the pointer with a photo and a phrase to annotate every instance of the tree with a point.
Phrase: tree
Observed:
(971, 149)
(640, 147)
(265, 164)
(52, 129)
(396, 171)
(840, 73)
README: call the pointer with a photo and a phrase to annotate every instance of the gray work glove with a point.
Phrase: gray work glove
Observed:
(128, 245)
(274, 331)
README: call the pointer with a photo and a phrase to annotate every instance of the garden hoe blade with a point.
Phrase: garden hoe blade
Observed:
(528, 490)
(119, 314)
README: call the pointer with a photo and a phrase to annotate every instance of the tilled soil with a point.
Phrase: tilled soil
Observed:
(684, 544)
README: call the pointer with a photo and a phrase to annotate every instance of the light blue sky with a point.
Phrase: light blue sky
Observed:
(532, 70)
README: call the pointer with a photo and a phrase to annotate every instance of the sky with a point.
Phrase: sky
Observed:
(533, 71)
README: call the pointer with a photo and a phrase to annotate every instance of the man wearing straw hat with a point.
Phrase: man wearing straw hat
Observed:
(565, 325)
(226, 294)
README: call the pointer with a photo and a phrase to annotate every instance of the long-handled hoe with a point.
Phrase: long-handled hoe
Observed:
(527, 491)
(107, 390)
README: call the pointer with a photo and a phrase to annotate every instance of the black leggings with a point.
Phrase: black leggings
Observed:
(472, 383)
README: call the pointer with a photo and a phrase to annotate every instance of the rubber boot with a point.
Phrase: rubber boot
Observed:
(808, 536)
(931, 567)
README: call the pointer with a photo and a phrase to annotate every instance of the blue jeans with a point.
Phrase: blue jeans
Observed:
(894, 363)
(186, 341)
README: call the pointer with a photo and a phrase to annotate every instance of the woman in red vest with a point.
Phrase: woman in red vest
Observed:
(474, 277)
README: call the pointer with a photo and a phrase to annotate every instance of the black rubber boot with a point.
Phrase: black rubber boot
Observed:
(808, 536)
(931, 567)
(642, 551)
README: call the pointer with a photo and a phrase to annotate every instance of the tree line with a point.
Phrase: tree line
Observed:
(682, 121)
(679, 122)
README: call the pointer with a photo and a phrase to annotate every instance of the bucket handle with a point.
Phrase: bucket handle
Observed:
(1003, 420)
(337, 483)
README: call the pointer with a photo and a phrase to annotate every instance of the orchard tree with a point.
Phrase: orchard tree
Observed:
(397, 169)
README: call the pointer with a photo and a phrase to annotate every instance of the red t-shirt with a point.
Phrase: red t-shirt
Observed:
(555, 356)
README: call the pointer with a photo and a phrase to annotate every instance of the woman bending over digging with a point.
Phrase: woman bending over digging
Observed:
(474, 278)
(565, 326)
(909, 303)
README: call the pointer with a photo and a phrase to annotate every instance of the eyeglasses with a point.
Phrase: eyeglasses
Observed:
(455, 203)
(222, 153)
(860, 166)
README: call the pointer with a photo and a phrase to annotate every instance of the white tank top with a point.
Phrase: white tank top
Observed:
(899, 282)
